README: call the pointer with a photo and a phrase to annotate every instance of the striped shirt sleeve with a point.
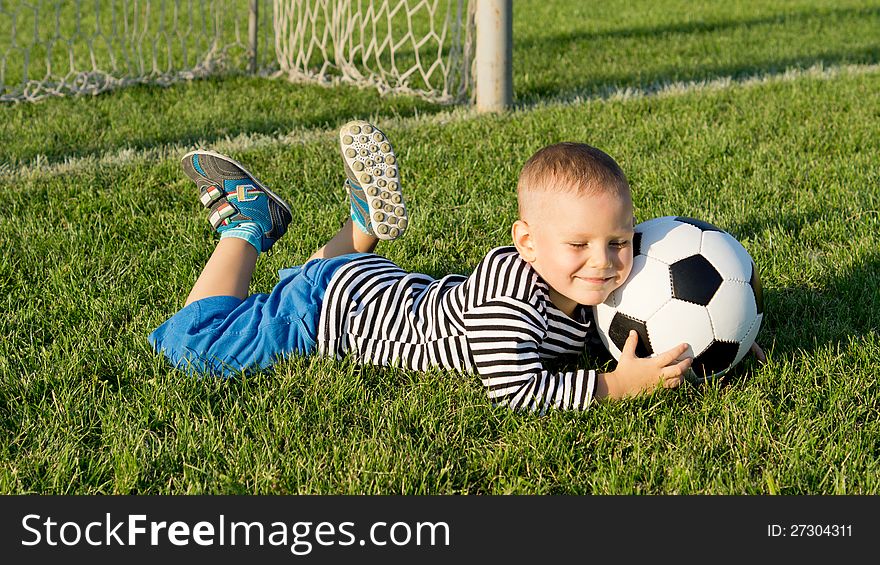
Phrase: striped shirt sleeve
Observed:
(503, 335)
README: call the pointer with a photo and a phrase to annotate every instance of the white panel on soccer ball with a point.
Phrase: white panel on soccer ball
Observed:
(680, 322)
(670, 241)
(727, 255)
(749, 339)
(647, 224)
(732, 310)
(645, 290)
(604, 313)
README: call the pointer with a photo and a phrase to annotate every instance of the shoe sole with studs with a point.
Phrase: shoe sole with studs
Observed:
(371, 164)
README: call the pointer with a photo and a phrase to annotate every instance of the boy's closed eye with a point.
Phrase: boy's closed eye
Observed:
(617, 244)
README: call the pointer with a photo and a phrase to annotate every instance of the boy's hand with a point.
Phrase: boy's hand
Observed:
(634, 375)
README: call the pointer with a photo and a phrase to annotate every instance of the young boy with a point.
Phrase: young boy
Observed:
(523, 309)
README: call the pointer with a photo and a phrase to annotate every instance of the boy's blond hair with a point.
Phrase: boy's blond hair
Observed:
(570, 168)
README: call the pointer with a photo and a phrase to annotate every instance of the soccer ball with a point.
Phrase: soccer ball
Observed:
(693, 283)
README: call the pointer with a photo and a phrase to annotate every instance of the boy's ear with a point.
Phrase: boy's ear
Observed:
(522, 239)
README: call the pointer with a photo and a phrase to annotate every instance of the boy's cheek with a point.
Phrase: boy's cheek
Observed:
(627, 268)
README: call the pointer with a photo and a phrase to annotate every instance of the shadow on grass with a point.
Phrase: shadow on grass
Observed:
(800, 321)
(648, 80)
(187, 113)
(655, 82)
(693, 27)
(841, 306)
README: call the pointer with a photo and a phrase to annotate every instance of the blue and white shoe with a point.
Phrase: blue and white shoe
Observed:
(373, 183)
(239, 205)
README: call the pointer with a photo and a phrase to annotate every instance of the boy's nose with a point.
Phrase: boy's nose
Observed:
(600, 259)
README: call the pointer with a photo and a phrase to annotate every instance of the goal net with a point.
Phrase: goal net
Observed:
(422, 47)
(60, 47)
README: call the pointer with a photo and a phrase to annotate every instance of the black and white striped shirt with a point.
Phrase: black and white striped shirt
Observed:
(499, 322)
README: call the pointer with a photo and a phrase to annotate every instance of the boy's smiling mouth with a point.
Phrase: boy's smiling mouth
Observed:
(595, 280)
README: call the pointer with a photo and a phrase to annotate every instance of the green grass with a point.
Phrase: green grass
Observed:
(99, 251)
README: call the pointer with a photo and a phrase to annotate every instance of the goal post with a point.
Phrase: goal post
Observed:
(494, 55)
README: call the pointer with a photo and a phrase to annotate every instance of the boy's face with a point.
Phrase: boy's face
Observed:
(581, 245)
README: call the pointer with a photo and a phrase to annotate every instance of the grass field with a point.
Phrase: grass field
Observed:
(760, 117)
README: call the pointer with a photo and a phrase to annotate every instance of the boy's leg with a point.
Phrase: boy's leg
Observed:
(243, 210)
(249, 217)
(228, 271)
(348, 239)
(373, 185)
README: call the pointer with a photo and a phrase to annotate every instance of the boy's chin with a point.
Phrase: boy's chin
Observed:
(593, 298)
(581, 297)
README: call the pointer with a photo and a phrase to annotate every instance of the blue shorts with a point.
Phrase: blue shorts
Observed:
(225, 335)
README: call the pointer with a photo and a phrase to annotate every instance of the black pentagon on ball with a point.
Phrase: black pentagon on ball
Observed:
(694, 279)
(637, 243)
(619, 329)
(705, 226)
(715, 358)
(755, 283)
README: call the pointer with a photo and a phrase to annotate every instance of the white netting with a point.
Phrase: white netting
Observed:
(58, 47)
(422, 47)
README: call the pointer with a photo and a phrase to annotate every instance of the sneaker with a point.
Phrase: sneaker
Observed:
(235, 198)
(373, 183)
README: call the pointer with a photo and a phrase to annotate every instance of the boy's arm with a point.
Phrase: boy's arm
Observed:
(503, 336)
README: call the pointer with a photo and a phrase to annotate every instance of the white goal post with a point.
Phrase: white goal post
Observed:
(494, 55)
(447, 51)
